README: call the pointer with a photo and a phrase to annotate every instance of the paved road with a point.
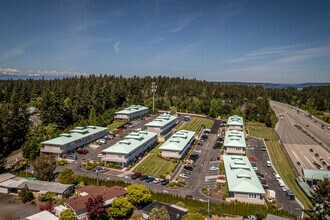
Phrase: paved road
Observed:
(255, 150)
(297, 144)
(300, 117)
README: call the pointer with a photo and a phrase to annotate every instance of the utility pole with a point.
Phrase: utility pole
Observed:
(153, 90)
(208, 200)
(97, 178)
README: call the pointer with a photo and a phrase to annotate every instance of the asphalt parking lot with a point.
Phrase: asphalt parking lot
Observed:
(255, 150)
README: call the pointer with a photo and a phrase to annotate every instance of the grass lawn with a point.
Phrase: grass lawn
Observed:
(115, 124)
(279, 158)
(155, 166)
(196, 123)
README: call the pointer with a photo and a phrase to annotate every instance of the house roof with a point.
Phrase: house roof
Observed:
(234, 139)
(74, 135)
(241, 176)
(174, 212)
(162, 121)
(316, 174)
(6, 176)
(131, 142)
(77, 203)
(178, 141)
(132, 109)
(235, 120)
(38, 185)
(42, 216)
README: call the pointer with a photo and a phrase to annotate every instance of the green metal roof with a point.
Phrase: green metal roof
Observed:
(234, 139)
(132, 109)
(241, 176)
(162, 121)
(316, 174)
(178, 141)
(74, 135)
(131, 142)
(235, 120)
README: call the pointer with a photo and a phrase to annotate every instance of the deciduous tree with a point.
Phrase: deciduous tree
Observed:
(120, 208)
(138, 194)
(67, 176)
(159, 214)
(95, 208)
(193, 216)
(44, 167)
(67, 215)
(26, 194)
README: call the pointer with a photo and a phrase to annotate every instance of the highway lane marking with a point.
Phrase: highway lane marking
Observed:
(308, 161)
(298, 158)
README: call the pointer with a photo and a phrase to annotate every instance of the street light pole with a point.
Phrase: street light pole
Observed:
(208, 200)
(153, 90)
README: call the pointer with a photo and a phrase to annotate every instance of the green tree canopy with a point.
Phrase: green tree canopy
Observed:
(67, 215)
(159, 214)
(44, 167)
(31, 149)
(138, 194)
(67, 176)
(193, 216)
(120, 208)
(26, 194)
(320, 201)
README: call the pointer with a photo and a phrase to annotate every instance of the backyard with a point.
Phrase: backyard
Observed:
(154, 165)
(279, 158)
(196, 123)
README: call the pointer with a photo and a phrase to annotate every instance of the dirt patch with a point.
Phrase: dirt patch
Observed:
(11, 210)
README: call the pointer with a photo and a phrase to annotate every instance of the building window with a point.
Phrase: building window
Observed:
(252, 196)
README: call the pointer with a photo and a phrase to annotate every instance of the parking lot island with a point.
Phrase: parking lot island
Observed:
(68, 142)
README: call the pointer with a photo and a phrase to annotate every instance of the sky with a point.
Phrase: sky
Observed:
(277, 41)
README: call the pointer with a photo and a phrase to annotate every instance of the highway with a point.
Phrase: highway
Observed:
(300, 147)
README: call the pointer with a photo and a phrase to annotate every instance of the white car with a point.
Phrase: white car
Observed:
(101, 155)
(185, 176)
(269, 164)
(214, 168)
(277, 177)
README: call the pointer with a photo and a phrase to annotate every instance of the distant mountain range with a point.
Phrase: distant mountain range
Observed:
(276, 85)
(4, 76)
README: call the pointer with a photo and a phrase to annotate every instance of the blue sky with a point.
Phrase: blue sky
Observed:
(250, 41)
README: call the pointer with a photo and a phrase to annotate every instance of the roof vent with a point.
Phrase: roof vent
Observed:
(243, 175)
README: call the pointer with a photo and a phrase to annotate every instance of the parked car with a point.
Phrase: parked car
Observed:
(136, 175)
(213, 168)
(165, 182)
(150, 179)
(102, 141)
(254, 166)
(185, 176)
(143, 177)
(157, 180)
(101, 155)
(277, 177)
(268, 163)
(72, 157)
(252, 159)
(82, 151)
(188, 168)
(190, 161)
(194, 156)
(185, 172)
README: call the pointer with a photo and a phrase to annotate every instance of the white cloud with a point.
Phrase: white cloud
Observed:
(183, 21)
(9, 71)
(157, 40)
(116, 46)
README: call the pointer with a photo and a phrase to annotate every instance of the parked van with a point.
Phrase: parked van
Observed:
(281, 183)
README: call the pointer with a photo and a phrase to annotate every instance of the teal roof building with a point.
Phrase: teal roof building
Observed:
(235, 122)
(162, 124)
(234, 142)
(243, 183)
(130, 148)
(131, 112)
(77, 137)
(178, 144)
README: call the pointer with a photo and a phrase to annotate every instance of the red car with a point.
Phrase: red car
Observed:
(252, 159)
(263, 182)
